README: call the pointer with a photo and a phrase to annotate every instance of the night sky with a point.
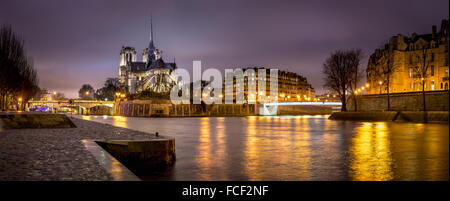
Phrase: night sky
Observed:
(77, 42)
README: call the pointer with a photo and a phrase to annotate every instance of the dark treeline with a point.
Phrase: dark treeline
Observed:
(18, 77)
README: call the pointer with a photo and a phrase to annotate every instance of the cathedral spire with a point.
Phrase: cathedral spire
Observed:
(151, 46)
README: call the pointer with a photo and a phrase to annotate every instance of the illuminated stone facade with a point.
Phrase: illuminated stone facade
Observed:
(404, 53)
(152, 73)
(291, 87)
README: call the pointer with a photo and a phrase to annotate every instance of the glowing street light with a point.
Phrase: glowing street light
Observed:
(87, 92)
(20, 99)
(54, 93)
(367, 85)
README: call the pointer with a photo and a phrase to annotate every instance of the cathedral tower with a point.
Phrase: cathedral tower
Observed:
(127, 54)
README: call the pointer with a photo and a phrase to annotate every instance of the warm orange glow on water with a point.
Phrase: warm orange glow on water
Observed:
(119, 121)
(298, 148)
(371, 157)
(204, 157)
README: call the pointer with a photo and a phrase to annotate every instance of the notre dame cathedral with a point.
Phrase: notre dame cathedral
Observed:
(152, 73)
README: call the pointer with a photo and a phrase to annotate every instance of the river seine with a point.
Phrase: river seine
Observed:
(296, 148)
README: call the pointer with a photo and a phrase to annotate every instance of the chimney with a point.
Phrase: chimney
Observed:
(433, 31)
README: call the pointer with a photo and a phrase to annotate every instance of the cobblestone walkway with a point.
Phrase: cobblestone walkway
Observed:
(57, 154)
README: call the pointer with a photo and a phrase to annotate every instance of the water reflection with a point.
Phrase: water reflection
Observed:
(119, 121)
(298, 148)
(204, 156)
(371, 158)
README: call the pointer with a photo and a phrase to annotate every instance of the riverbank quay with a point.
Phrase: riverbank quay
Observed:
(397, 116)
(164, 108)
(64, 153)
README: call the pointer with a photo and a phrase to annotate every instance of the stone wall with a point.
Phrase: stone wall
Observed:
(411, 101)
(162, 108)
(303, 109)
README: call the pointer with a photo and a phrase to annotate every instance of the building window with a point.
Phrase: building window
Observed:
(432, 70)
(432, 56)
(442, 85)
(446, 86)
(432, 84)
(410, 59)
(446, 73)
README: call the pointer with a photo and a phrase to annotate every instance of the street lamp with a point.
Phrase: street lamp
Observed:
(19, 103)
(380, 83)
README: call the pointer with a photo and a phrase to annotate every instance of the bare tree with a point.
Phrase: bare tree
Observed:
(423, 64)
(374, 72)
(354, 59)
(86, 92)
(384, 65)
(107, 92)
(339, 70)
(18, 78)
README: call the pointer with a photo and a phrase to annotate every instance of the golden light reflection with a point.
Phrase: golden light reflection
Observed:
(221, 148)
(204, 157)
(302, 156)
(371, 153)
(254, 160)
(119, 121)
(283, 135)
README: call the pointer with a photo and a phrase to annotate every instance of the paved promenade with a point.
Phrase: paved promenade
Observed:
(57, 154)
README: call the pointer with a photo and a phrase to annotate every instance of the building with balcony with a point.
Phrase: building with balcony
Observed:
(291, 86)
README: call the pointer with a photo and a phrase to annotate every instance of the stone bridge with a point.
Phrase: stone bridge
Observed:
(166, 108)
(79, 106)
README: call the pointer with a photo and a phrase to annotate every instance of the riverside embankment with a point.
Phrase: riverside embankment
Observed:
(404, 107)
(400, 116)
(65, 153)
